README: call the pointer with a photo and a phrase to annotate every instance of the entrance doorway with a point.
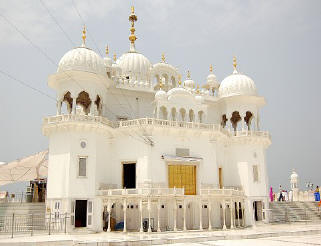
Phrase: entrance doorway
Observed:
(182, 176)
(129, 175)
(81, 213)
(220, 177)
(257, 206)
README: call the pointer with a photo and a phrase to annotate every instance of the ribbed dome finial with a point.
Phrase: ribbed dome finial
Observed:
(234, 64)
(132, 37)
(107, 50)
(211, 68)
(84, 36)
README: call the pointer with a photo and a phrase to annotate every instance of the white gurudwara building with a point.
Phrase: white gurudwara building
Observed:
(133, 146)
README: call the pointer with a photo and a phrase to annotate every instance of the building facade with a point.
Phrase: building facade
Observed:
(134, 146)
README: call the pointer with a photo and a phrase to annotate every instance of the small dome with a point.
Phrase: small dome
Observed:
(237, 84)
(133, 63)
(189, 83)
(294, 175)
(178, 91)
(160, 95)
(211, 81)
(82, 59)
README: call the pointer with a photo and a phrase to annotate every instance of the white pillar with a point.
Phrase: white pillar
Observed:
(209, 215)
(149, 208)
(92, 108)
(59, 102)
(141, 215)
(125, 215)
(232, 217)
(238, 213)
(184, 215)
(74, 102)
(109, 216)
(201, 219)
(223, 207)
(253, 215)
(158, 108)
(158, 212)
(175, 214)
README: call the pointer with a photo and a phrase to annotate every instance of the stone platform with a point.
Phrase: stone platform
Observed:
(135, 238)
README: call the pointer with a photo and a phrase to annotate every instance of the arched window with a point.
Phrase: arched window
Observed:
(224, 120)
(173, 81)
(191, 115)
(67, 100)
(163, 112)
(248, 120)
(165, 81)
(98, 105)
(182, 114)
(84, 101)
(235, 119)
(173, 113)
(200, 116)
(156, 81)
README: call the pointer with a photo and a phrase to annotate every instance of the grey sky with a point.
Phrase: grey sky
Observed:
(277, 44)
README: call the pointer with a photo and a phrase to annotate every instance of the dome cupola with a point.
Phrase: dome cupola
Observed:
(189, 83)
(107, 60)
(82, 59)
(211, 82)
(237, 84)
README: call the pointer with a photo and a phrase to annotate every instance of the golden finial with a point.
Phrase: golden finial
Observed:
(179, 79)
(107, 50)
(132, 38)
(160, 84)
(198, 89)
(211, 68)
(115, 57)
(84, 36)
(188, 74)
(234, 63)
(163, 57)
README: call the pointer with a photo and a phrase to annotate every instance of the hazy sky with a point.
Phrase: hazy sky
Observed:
(277, 44)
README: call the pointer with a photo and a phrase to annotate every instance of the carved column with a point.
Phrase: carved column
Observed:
(59, 102)
(158, 212)
(175, 214)
(238, 213)
(109, 216)
(223, 208)
(209, 215)
(184, 215)
(201, 218)
(74, 102)
(125, 215)
(149, 208)
(232, 217)
(141, 215)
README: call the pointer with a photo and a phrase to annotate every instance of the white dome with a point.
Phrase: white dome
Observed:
(178, 91)
(82, 59)
(294, 175)
(237, 84)
(160, 95)
(108, 61)
(189, 83)
(211, 81)
(133, 63)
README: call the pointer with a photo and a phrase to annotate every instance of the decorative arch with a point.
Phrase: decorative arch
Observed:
(163, 112)
(224, 120)
(248, 119)
(67, 100)
(173, 114)
(200, 116)
(84, 101)
(191, 115)
(182, 114)
(235, 119)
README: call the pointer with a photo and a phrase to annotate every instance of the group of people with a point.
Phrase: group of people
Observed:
(283, 195)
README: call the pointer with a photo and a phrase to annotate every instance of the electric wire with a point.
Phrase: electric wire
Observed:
(27, 85)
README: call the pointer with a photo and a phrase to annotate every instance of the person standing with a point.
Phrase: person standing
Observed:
(317, 194)
(280, 196)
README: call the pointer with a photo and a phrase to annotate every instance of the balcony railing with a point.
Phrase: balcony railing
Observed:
(141, 192)
(151, 122)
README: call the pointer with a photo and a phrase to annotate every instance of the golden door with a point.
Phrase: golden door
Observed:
(182, 176)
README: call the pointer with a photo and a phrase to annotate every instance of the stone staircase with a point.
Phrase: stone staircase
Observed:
(294, 212)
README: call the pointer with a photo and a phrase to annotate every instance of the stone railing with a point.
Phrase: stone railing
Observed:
(141, 192)
(152, 122)
(229, 192)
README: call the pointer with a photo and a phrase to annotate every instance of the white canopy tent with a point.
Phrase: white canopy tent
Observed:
(25, 169)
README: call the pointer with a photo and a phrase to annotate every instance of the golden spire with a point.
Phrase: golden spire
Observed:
(198, 89)
(132, 38)
(115, 57)
(188, 74)
(107, 50)
(179, 79)
(234, 63)
(163, 57)
(84, 36)
(211, 68)
(160, 84)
